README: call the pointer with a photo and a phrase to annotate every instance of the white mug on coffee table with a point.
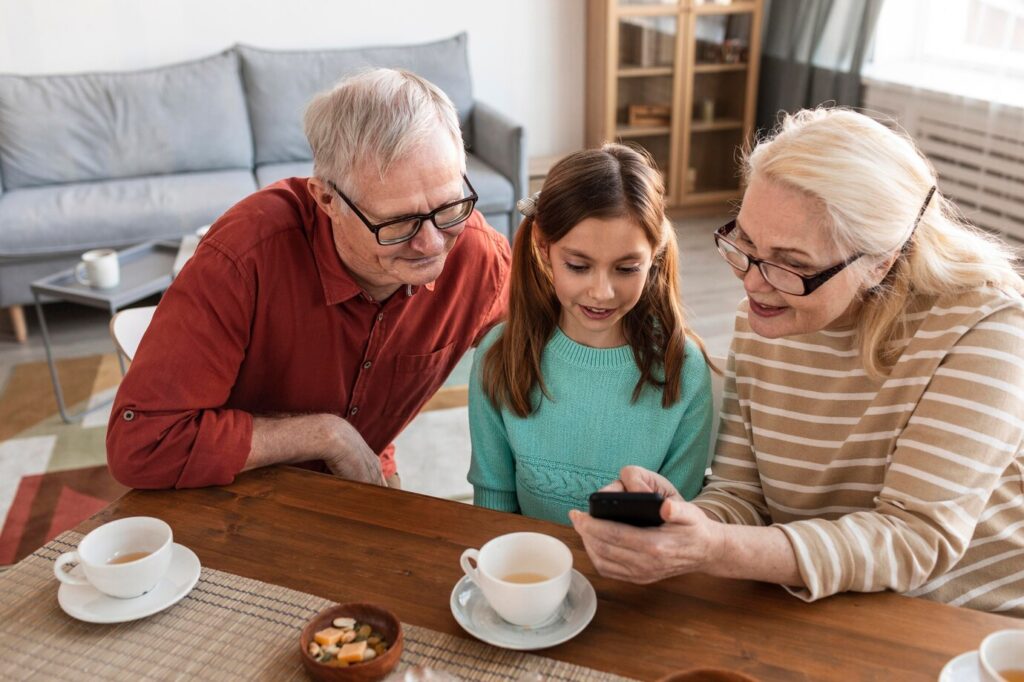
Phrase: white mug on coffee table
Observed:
(524, 576)
(99, 268)
(124, 558)
(1000, 653)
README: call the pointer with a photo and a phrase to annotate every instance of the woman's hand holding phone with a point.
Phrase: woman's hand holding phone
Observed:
(687, 542)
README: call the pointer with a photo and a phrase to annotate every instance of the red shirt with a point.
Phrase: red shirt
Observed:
(266, 319)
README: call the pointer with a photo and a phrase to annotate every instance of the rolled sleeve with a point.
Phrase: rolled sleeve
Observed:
(170, 427)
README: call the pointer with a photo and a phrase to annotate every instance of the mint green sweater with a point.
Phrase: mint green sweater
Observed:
(576, 442)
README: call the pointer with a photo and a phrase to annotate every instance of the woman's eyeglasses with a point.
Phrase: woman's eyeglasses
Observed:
(785, 280)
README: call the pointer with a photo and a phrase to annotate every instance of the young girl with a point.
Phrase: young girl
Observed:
(594, 368)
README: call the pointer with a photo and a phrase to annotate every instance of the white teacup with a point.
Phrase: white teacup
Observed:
(99, 268)
(1000, 653)
(142, 543)
(524, 576)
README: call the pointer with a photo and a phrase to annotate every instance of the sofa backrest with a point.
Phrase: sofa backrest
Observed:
(101, 126)
(279, 85)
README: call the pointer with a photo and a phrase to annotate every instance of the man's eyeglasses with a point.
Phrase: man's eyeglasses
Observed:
(404, 228)
(783, 279)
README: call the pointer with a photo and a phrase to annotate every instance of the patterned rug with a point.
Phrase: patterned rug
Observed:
(52, 475)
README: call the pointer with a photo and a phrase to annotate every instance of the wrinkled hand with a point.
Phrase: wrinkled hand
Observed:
(348, 456)
(634, 479)
(688, 541)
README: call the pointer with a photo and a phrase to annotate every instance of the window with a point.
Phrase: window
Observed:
(973, 48)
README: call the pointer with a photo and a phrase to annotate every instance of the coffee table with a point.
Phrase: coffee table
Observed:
(146, 269)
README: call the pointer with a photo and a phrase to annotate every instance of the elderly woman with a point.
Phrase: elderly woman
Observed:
(873, 412)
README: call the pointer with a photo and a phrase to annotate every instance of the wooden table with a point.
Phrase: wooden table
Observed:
(347, 541)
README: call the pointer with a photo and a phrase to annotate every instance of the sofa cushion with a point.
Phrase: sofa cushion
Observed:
(270, 173)
(280, 84)
(495, 189)
(102, 126)
(77, 217)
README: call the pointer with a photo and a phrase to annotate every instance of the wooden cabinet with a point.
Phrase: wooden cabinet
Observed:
(679, 78)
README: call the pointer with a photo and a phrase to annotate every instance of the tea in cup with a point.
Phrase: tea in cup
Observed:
(99, 268)
(124, 558)
(523, 576)
(1001, 657)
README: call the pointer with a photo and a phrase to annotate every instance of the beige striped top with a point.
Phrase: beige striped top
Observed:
(914, 483)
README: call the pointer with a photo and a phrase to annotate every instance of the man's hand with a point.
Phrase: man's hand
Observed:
(300, 438)
(348, 456)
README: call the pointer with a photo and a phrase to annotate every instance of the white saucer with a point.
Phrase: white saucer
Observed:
(476, 617)
(963, 668)
(85, 602)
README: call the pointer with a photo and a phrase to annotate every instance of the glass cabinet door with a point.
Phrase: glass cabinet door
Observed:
(718, 107)
(645, 82)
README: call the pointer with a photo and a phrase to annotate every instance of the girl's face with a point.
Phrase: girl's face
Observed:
(599, 270)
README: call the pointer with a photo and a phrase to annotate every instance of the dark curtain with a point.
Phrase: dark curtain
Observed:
(813, 53)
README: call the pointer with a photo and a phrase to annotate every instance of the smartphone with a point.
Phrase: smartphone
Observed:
(636, 509)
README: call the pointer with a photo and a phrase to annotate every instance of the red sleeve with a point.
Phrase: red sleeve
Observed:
(168, 426)
(500, 270)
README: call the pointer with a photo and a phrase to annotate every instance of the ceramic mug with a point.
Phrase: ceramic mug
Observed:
(524, 576)
(145, 542)
(1000, 653)
(99, 268)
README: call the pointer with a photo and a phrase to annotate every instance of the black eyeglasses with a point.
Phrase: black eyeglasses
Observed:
(783, 279)
(404, 228)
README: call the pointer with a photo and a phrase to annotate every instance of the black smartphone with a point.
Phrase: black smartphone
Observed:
(636, 509)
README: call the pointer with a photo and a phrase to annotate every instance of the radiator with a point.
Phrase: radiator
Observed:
(976, 148)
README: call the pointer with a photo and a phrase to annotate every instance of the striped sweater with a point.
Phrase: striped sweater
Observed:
(914, 483)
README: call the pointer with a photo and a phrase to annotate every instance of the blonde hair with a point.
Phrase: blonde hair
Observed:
(376, 116)
(871, 183)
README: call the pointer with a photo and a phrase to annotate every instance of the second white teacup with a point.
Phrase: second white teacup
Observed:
(1001, 656)
(524, 576)
(124, 558)
(99, 268)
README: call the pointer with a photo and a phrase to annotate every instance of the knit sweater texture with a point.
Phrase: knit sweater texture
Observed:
(579, 439)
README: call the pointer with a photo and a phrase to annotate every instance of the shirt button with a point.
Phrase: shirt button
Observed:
(353, 411)
(366, 365)
(128, 415)
(380, 316)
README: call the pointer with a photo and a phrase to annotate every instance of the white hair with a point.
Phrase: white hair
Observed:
(871, 183)
(376, 117)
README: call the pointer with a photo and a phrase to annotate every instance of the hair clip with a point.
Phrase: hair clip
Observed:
(528, 205)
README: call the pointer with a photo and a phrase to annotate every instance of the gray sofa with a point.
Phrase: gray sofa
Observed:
(113, 159)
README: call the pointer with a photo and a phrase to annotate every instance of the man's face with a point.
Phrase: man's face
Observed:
(429, 176)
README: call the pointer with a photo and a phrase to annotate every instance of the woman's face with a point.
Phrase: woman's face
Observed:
(784, 226)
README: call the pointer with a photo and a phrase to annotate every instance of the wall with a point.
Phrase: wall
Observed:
(526, 56)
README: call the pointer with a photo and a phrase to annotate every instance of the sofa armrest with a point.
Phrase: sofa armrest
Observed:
(501, 143)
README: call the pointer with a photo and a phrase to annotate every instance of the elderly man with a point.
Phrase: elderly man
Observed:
(319, 314)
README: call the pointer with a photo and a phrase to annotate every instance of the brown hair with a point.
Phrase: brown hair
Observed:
(614, 181)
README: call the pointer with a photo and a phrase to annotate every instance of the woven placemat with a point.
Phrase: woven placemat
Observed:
(228, 627)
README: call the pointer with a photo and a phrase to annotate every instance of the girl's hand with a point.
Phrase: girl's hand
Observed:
(688, 542)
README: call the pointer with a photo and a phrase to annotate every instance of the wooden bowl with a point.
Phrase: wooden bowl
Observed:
(380, 619)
